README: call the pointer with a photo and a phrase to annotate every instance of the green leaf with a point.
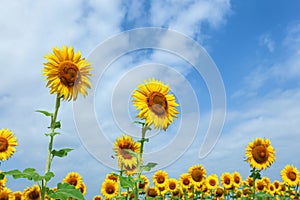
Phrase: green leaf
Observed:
(52, 134)
(28, 173)
(65, 191)
(46, 113)
(132, 153)
(57, 125)
(149, 166)
(127, 182)
(48, 176)
(61, 152)
(2, 175)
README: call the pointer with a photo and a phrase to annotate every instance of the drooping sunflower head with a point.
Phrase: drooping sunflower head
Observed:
(73, 178)
(6, 193)
(122, 146)
(290, 175)
(212, 181)
(32, 193)
(198, 174)
(260, 154)
(67, 73)
(109, 189)
(227, 180)
(8, 142)
(160, 178)
(157, 106)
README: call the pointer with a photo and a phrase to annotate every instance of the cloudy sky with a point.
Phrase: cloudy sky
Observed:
(250, 63)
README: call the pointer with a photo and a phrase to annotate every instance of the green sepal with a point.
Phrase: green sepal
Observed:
(149, 166)
(61, 153)
(65, 191)
(46, 113)
(57, 125)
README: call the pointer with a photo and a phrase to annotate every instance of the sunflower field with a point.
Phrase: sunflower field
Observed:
(67, 75)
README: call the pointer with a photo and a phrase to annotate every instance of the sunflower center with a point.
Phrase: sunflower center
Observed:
(227, 181)
(68, 73)
(260, 187)
(3, 144)
(292, 176)
(186, 182)
(110, 189)
(125, 153)
(160, 179)
(158, 103)
(73, 182)
(219, 192)
(141, 185)
(197, 175)
(152, 192)
(3, 196)
(260, 154)
(212, 182)
(172, 185)
(237, 179)
(34, 195)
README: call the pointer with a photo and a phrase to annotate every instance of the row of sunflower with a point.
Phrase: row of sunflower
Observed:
(67, 75)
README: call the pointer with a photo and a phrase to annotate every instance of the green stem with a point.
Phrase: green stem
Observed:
(49, 157)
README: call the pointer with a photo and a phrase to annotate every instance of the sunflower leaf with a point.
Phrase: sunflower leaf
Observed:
(28, 173)
(52, 134)
(61, 153)
(65, 191)
(149, 166)
(57, 125)
(46, 113)
(132, 153)
(2, 175)
(48, 176)
(127, 182)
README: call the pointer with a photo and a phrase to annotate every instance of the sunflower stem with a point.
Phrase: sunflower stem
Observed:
(49, 157)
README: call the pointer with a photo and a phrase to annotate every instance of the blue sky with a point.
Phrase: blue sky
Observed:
(254, 44)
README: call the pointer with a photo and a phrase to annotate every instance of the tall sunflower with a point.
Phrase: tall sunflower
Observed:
(290, 175)
(109, 189)
(198, 174)
(67, 73)
(73, 178)
(32, 193)
(157, 106)
(122, 146)
(260, 154)
(8, 142)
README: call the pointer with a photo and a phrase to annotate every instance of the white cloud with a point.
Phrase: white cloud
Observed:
(266, 40)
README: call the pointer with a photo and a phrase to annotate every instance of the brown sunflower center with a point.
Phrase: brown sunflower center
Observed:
(197, 175)
(227, 180)
(219, 192)
(186, 181)
(3, 144)
(292, 176)
(110, 189)
(4, 196)
(142, 185)
(18, 197)
(125, 153)
(172, 185)
(260, 187)
(237, 179)
(160, 179)
(34, 195)
(151, 192)
(158, 104)
(260, 154)
(73, 182)
(212, 182)
(68, 73)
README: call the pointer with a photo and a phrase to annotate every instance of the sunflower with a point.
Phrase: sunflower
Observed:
(227, 180)
(160, 178)
(8, 142)
(143, 185)
(157, 106)
(129, 170)
(219, 193)
(6, 194)
(185, 180)
(122, 146)
(2, 182)
(32, 193)
(276, 184)
(113, 177)
(73, 178)
(272, 189)
(237, 179)
(109, 189)
(198, 174)
(172, 185)
(260, 154)
(82, 188)
(18, 195)
(260, 186)
(67, 73)
(212, 182)
(97, 197)
(152, 192)
(290, 175)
